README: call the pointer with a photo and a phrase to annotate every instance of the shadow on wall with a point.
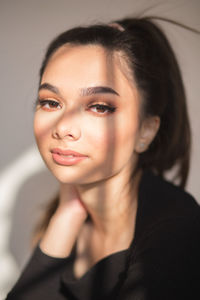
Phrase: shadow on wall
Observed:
(29, 204)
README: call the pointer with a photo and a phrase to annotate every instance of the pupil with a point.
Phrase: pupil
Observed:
(101, 108)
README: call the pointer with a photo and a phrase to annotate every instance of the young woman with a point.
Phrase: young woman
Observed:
(110, 120)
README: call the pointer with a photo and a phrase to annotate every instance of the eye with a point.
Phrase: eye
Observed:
(102, 108)
(49, 105)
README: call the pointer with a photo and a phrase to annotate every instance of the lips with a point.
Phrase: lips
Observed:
(67, 157)
(66, 152)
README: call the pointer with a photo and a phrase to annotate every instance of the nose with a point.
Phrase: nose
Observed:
(67, 127)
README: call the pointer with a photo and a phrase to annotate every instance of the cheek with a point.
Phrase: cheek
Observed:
(100, 136)
(42, 128)
(114, 142)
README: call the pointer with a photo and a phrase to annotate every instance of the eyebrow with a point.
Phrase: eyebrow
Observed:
(50, 87)
(97, 90)
(83, 91)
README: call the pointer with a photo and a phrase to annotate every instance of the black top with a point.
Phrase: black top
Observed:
(164, 261)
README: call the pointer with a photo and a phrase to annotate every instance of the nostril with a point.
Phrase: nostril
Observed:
(66, 133)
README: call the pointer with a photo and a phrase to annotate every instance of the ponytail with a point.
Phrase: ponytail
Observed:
(159, 79)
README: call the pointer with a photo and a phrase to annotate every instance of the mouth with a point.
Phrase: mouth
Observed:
(67, 157)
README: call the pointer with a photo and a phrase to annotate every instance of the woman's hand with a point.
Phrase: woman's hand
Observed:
(65, 224)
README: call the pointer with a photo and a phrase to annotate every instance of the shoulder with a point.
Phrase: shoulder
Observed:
(160, 190)
(161, 201)
(166, 214)
(167, 244)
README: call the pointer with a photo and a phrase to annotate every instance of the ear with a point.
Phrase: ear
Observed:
(147, 133)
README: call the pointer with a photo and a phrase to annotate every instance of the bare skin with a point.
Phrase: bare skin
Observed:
(94, 239)
(113, 234)
(64, 225)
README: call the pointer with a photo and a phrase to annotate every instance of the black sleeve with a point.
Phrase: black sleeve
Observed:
(40, 279)
(166, 264)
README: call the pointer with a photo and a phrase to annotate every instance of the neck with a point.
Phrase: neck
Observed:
(111, 203)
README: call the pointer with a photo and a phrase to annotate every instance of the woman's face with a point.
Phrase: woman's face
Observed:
(86, 104)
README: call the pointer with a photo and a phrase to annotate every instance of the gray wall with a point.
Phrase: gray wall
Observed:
(26, 27)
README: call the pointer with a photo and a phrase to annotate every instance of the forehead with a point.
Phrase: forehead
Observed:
(90, 58)
(87, 65)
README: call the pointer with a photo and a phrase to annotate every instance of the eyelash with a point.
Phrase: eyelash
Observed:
(108, 108)
(54, 103)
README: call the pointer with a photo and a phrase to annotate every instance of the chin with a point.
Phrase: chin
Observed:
(80, 174)
(69, 175)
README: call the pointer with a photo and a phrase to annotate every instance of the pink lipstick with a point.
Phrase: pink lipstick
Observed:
(66, 157)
